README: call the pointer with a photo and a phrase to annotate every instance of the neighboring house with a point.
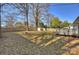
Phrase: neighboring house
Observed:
(76, 25)
(70, 30)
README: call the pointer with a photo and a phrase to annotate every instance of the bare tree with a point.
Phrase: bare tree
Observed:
(10, 16)
(39, 10)
(24, 9)
(49, 18)
(10, 23)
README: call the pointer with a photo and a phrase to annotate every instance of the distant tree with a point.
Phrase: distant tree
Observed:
(65, 24)
(55, 23)
(20, 26)
(10, 23)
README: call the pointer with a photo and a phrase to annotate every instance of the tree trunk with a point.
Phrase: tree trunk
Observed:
(0, 22)
(27, 10)
(37, 17)
(37, 23)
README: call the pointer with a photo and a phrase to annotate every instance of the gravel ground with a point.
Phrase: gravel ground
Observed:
(13, 44)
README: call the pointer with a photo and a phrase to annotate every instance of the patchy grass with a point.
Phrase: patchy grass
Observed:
(71, 43)
(36, 36)
(50, 41)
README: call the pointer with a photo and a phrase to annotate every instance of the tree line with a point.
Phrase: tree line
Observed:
(57, 23)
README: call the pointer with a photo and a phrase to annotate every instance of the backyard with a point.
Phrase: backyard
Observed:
(39, 29)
